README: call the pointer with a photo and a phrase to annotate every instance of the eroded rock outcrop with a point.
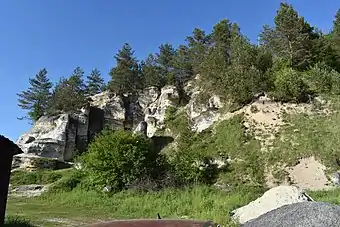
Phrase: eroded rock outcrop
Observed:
(202, 112)
(62, 136)
(155, 112)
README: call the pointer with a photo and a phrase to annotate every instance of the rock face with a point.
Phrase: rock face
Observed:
(305, 214)
(48, 137)
(155, 112)
(272, 199)
(62, 136)
(202, 113)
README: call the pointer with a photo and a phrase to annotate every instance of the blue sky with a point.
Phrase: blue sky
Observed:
(62, 34)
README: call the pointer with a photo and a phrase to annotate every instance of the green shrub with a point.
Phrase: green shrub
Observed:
(290, 86)
(17, 222)
(319, 79)
(67, 183)
(38, 177)
(117, 159)
(170, 113)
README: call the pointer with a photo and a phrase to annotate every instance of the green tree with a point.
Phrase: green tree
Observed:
(198, 44)
(95, 83)
(35, 99)
(290, 39)
(335, 39)
(165, 61)
(117, 159)
(69, 94)
(290, 86)
(151, 73)
(336, 24)
(183, 68)
(125, 77)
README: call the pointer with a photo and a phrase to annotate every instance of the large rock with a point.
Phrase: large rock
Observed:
(305, 214)
(59, 136)
(271, 199)
(47, 138)
(111, 107)
(148, 96)
(203, 114)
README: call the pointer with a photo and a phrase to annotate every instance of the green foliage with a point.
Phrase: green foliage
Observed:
(290, 86)
(37, 177)
(323, 79)
(117, 159)
(336, 24)
(69, 94)
(291, 37)
(35, 99)
(82, 206)
(67, 182)
(95, 83)
(14, 221)
(198, 45)
(316, 136)
(151, 73)
(125, 77)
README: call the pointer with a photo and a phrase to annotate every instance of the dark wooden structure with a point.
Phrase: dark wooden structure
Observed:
(7, 150)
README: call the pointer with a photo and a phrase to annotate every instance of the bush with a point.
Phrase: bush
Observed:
(67, 183)
(323, 79)
(39, 177)
(119, 158)
(17, 222)
(290, 86)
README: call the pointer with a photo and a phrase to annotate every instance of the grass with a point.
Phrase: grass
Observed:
(79, 206)
(37, 177)
(17, 222)
(317, 136)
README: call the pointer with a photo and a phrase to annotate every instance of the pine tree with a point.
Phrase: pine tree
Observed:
(291, 38)
(95, 83)
(125, 77)
(335, 39)
(151, 73)
(183, 68)
(198, 45)
(165, 61)
(69, 94)
(36, 98)
(336, 24)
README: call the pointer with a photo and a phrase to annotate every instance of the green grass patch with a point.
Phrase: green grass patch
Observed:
(37, 177)
(14, 221)
(198, 202)
(331, 196)
(229, 141)
(307, 136)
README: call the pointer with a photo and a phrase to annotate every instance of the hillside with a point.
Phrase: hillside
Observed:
(191, 132)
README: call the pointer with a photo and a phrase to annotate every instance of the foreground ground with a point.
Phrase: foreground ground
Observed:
(80, 207)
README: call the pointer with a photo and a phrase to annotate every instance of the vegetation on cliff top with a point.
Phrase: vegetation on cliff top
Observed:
(284, 64)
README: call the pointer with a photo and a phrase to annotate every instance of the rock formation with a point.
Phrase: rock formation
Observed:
(62, 136)
(306, 214)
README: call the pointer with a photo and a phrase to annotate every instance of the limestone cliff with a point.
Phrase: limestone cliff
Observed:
(62, 136)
